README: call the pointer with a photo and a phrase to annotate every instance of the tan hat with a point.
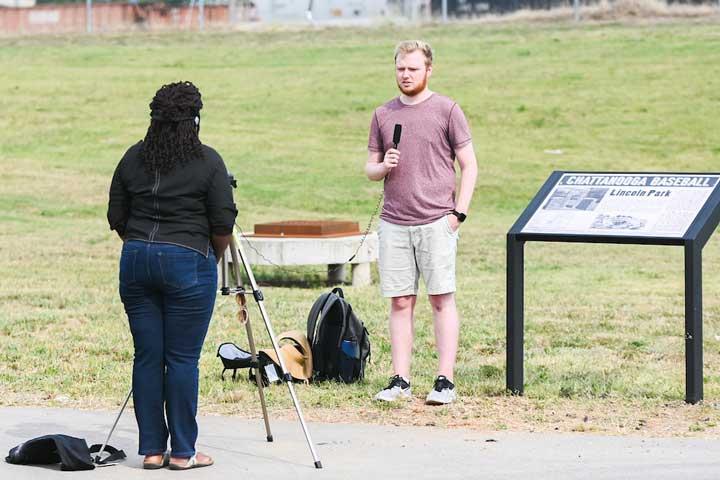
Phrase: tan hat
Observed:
(297, 355)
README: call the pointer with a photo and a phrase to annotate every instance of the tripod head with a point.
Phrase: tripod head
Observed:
(225, 289)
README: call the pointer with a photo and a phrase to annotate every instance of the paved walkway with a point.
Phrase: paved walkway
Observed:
(369, 452)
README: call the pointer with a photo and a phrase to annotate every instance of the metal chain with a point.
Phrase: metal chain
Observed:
(333, 270)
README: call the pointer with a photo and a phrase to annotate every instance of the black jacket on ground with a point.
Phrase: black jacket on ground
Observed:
(183, 206)
(71, 452)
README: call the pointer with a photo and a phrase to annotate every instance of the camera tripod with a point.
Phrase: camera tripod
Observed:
(236, 255)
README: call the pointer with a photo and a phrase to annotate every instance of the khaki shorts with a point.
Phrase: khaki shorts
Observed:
(406, 252)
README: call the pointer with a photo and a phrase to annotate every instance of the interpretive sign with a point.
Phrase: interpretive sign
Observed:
(653, 205)
(680, 209)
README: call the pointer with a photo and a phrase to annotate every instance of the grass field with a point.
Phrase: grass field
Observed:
(289, 111)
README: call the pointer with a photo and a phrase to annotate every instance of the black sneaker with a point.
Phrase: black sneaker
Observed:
(443, 392)
(397, 389)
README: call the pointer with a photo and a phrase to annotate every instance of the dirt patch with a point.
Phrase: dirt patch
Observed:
(515, 414)
(524, 415)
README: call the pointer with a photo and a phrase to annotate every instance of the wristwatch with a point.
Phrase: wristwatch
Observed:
(460, 216)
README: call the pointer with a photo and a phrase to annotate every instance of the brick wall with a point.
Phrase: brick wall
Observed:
(107, 17)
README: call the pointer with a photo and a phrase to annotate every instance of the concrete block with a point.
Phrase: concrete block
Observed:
(332, 252)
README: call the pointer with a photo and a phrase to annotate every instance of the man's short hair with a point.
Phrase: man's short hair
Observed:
(409, 46)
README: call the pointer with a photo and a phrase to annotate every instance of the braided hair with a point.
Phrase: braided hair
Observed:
(172, 137)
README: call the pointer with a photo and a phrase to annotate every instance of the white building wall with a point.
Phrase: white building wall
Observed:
(322, 10)
(17, 3)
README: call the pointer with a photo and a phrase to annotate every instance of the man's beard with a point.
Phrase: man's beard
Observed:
(411, 92)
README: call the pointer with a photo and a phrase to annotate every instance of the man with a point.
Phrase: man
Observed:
(421, 214)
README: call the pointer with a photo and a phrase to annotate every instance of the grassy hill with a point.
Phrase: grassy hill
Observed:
(289, 111)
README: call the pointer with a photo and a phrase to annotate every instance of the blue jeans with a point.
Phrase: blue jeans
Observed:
(169, 293)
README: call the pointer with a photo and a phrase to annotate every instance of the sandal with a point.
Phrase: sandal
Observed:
(192, 462)
(164, 462)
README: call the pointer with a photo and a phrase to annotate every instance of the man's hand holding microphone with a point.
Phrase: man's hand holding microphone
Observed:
(392, 156)
(376, 169)
(391, 159)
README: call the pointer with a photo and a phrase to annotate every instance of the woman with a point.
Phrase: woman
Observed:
(171, 203)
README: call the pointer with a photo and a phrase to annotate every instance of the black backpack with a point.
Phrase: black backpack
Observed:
(339, 341)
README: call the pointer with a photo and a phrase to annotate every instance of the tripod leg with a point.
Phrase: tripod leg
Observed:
(253, 350)
(98, 457)
(236, 250)
(258, 381)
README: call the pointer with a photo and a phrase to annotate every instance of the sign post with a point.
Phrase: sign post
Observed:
(635, 208)
(693, 323)
(515, 313)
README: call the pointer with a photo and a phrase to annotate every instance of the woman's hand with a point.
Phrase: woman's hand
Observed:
(220, 244)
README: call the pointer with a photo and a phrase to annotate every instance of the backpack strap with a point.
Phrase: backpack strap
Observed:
(336, 295)
(368, 357)
(315, 311)
(346, 310)
(299, 341)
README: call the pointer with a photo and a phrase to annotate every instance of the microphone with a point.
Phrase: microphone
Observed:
(396, 138)
(396, 134)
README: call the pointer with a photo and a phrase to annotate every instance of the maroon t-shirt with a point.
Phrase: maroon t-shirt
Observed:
(421, 189)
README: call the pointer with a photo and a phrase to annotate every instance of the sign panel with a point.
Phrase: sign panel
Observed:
(629, 205)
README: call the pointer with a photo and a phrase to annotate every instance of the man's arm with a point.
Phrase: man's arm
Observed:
(468, 176)
(379, 165)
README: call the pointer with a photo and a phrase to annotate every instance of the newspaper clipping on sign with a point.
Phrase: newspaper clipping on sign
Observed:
(643, 205)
